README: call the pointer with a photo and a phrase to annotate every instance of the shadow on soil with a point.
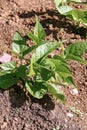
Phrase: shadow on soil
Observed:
(52, 17)
(18, 97)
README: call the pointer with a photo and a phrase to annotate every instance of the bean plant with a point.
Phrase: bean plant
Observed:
(64, 8)
(40, 74)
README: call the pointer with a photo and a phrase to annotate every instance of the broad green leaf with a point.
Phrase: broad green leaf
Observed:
(8, 80)
(76, 49)
(54, 90)
(37, 90)
(19, 43)
(21, 71)
(39, 31)
(3, 72)
(75, 52)
(41, 52)
(76, 58)
(60, 2)
(64, 9)
(60, 59)
(8, 66)
(75, 14)
(48, 64)
(34, 38)
(31, 71)
(29, 50)
(84, 19)
(45, 72)
(53, 80)
(62, 70)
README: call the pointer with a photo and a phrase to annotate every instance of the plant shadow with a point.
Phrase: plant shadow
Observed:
(46, 102)
(52, 17)
(18, 98)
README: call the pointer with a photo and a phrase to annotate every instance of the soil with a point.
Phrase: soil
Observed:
(19, 111)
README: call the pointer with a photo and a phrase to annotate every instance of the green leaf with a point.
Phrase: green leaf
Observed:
(19, 44)
(56, 92)
(64, 9)
(3, 72)
(33, 38)
(60, 2)
(73, 14)
(53, 80)
(62, 70)
(84, 19)
(76, 58)
(76, 49)
(31, 71)
(37, 90)
(8, 66)
(45, 73)
(29, 50)
(8, 80)
(60, 59)
(76, 15)
(48, 64)
(21, 71)
(39, 31)
(41, 52)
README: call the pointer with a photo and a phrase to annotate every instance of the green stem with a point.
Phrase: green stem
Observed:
(21, 60)
(62, 47)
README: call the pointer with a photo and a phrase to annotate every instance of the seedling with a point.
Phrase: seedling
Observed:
(77, 15)
(40, 74)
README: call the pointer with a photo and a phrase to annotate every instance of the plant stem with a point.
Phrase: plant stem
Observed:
(62, 47)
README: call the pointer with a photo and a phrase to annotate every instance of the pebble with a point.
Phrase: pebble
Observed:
(69, 115)
(74, 92)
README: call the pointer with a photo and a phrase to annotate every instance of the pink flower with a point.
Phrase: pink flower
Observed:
(5, 58)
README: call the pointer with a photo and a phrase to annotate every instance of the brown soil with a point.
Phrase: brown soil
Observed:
(19, 111)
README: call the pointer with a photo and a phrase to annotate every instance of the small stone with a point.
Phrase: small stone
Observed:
(74, 92)
(69, 115)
